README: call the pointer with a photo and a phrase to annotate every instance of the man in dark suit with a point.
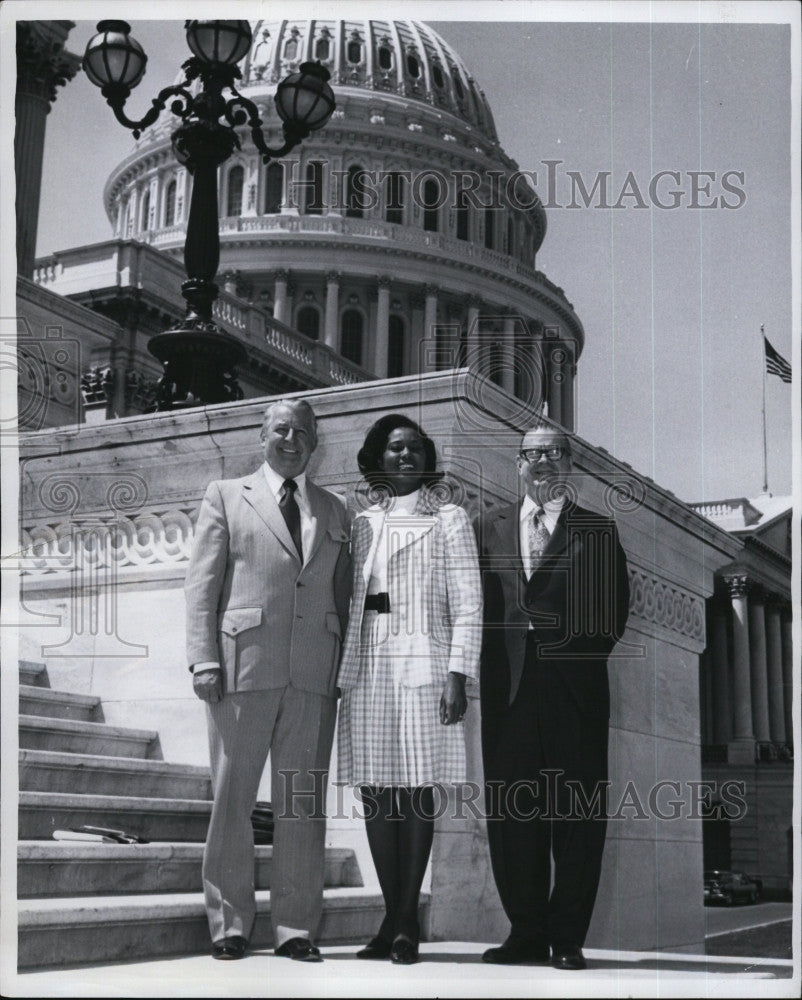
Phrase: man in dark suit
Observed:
(556, 602)
(267, 597)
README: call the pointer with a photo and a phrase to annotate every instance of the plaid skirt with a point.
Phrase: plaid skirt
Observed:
(390, 734)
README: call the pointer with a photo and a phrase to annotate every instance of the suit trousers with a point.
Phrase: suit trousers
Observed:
(296, 728)
(544, 762)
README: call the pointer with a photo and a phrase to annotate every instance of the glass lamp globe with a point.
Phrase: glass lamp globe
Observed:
(304, 100)
(113, 58)
(223, 42)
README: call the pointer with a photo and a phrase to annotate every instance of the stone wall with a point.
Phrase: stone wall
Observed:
(107, 518)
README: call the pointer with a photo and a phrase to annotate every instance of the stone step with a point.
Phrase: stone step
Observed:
(70, 868)
(76, 931)
(33, 673)
(40, 701)
(70, 736)
(95, 774)
(40, 813)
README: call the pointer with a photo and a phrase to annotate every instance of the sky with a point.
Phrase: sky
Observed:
(671, 298)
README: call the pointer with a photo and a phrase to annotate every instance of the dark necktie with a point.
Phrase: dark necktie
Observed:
(288, 506)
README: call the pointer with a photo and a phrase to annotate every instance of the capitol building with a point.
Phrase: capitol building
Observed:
(399, 239)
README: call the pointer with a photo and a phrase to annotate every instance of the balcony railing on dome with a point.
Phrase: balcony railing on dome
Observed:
(87, 274)
(371, 229)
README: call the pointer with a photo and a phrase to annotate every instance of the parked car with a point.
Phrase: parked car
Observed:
(731, 887)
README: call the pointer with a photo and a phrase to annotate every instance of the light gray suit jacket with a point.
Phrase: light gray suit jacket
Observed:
(251, 605)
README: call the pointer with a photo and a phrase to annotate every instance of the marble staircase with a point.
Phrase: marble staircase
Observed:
(88, 903)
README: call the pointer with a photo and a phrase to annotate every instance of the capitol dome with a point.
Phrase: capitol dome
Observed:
(400, 236)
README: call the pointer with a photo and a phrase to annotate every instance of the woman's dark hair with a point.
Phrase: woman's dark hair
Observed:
(370, 454)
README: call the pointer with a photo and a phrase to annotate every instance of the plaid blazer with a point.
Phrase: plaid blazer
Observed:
(435, 592)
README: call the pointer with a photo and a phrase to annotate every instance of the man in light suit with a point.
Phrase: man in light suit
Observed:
(267, 594)
(556, 602)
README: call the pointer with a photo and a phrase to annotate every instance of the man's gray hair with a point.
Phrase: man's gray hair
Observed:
(298, 404)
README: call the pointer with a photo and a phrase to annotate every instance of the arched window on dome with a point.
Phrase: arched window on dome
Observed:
(322, 49)
(145, 211)
(431, 205)
(463, 216)
(291, 48)
(353, 51)
(313, 193)
(395, 347)
(236, 182)
(394, 198)
(490, 218)
(169, 204)
(457, 83)
(307, 322)
(385, 57)
(355, 197)
(351, 327)
(437, 76)
(413, 66)
(274, 188)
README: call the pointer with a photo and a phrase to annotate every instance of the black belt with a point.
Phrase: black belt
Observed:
(378, 602)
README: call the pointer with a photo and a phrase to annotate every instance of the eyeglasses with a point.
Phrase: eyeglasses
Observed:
(553, 453)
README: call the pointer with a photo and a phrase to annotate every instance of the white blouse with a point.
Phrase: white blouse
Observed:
(400, 507)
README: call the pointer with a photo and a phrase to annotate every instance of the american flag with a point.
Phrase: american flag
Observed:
(776, 363)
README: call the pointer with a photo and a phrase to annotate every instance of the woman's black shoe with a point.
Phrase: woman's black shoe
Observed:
(377, 947)
(403, 952)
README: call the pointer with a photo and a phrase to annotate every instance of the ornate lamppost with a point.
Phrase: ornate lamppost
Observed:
(198, 357)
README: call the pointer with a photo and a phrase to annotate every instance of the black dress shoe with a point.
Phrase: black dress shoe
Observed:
(515, 950)
(299, 948)
(570, 957)
(403, 951)
(229, 947)
(377, 947)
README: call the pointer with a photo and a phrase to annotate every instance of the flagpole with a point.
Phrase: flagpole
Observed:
(763, 363)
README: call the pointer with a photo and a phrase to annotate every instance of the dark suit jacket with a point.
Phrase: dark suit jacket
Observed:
(577, 600)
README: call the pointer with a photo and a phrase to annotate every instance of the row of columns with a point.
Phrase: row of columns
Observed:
(754, 704)
(551, 360)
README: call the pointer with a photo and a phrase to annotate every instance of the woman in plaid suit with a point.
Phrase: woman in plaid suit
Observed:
(414, 636)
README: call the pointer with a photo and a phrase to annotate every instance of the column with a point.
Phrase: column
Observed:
(508, 356)
(131, 224)
(722, 700)
(429, 357)
(569, 371)
(774, 668)
(331, 323)
(556, 356)
(250, 187)
(280, 297)
(757, 657)
(181, 196)
(473, 341)
(382, 327)
(42, 67)
(788, 672)
(743, 750)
